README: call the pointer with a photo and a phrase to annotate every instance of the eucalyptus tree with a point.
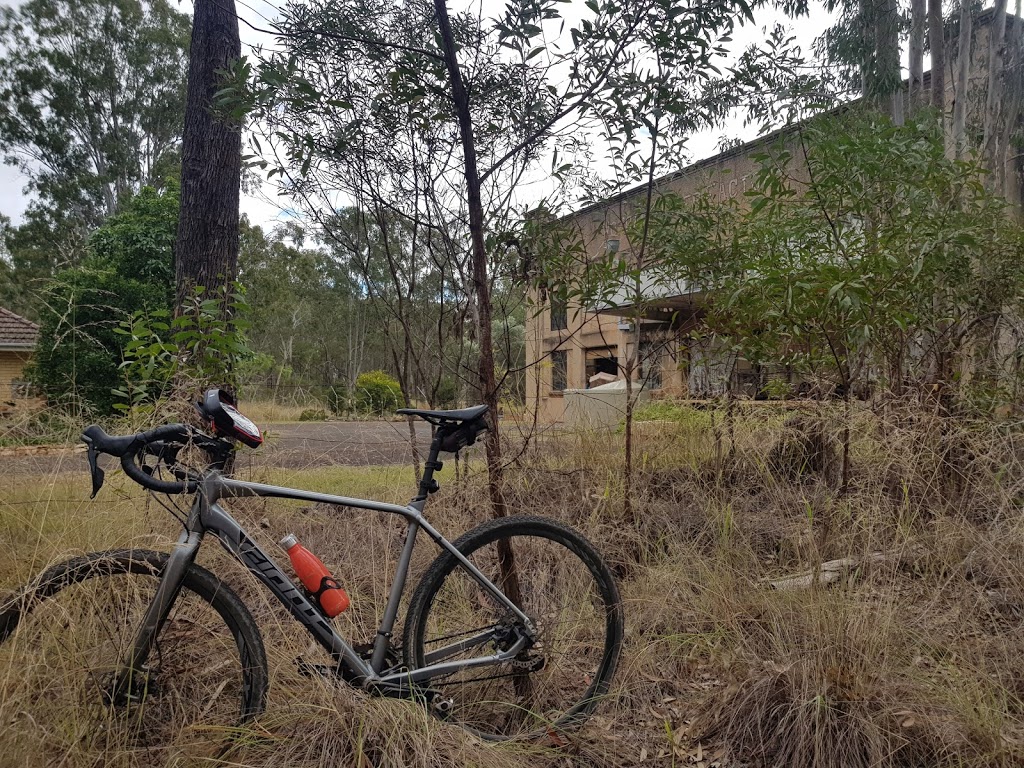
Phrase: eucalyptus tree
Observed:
(304, 313)
(405, 274)
(871, 260)
(646, 117)
(206, 248)
(863, 47)
(92, 95)
(488, 99)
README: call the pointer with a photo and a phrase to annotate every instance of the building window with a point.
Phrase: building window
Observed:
(650, 365)
(601, 360)
(559, 314)
(559, 370)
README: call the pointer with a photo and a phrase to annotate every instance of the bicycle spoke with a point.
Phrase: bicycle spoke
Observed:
(551, 680)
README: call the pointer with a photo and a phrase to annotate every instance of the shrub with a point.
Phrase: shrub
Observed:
(199, 344)
(447, 395)
(377, 393)
(130, 268)
(338, 398)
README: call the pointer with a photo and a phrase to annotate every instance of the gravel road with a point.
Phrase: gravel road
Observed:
(295, 445)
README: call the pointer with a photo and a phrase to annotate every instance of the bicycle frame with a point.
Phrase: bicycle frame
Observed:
(208, 516)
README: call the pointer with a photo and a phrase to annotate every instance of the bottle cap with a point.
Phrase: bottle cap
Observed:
(288, 541)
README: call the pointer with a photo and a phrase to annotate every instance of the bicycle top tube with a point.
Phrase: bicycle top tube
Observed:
(215, 487)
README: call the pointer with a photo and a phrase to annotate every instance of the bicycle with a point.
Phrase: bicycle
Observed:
(514, 630)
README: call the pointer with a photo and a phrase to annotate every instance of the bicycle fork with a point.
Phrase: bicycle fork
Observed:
(130, 671)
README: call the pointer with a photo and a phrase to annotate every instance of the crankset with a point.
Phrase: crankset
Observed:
(432, 698)
(400, 689)
(392, 663)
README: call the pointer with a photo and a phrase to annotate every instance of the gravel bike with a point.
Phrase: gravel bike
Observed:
(514, 630)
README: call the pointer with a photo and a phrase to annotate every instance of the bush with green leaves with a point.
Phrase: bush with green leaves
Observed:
(202, 344)
(447, 394)
(130, 269)
(377, 392)
(892, 265)
(338, 398)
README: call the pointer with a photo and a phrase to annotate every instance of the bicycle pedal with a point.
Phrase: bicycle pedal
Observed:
(442, 706)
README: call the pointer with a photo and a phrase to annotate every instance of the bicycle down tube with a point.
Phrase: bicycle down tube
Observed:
(209, 516)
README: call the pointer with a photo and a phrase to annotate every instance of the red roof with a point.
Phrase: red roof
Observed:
(16, 331)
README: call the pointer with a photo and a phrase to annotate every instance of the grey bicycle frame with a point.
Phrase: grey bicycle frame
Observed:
(207, 515)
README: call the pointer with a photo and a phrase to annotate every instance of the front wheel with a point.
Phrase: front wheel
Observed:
(560, 582)
(63, 641)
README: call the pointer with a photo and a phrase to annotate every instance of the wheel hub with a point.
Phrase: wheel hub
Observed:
(123, 688)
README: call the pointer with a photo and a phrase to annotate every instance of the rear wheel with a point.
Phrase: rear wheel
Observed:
(566, 590)
(63, 640)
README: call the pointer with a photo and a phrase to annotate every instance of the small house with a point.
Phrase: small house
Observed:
(17, 340)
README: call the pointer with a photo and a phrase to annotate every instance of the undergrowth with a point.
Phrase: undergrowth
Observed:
(911, 658)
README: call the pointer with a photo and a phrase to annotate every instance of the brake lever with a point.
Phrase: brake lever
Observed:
(94, 468)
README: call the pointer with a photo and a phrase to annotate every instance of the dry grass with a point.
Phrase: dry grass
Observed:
(272, 412)
(912, 660)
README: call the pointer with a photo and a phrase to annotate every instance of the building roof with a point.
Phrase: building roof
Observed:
(741, 148)
(16, 332)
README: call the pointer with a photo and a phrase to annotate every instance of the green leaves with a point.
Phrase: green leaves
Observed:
(880, 243)
(91, 100)
(199, 344)
(130, 268)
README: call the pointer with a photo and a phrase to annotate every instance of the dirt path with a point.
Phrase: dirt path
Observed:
(327, 443)
(296, 445)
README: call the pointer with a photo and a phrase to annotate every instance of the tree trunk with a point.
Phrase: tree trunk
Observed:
(994, 98)
(507, 568)
(206, 251)
(627, 470)
(481, 284)
(937, 45)
(918, 11)
(963, 69)
(888, 84)
(1012, 97)
(868, 11)
(844, 485)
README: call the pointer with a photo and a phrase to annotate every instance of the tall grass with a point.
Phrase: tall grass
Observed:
(912, 658)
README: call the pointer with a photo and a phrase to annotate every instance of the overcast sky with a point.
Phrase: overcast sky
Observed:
(264, 209)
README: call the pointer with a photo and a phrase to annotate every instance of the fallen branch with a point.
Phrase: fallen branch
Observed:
(828, 572)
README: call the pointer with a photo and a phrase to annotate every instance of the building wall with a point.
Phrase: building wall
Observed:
(724, 176)
(727, 175)
(12, 366)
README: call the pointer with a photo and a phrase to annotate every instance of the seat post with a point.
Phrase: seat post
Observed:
(428, 484)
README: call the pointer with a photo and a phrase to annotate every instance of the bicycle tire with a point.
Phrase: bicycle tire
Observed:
(63, 635)
(561, 577)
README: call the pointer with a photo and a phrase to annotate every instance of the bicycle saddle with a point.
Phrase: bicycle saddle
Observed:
(446, 417)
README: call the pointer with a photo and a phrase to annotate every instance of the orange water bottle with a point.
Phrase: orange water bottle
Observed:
(315, 577)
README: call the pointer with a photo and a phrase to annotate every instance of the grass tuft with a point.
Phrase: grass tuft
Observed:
(911, 658)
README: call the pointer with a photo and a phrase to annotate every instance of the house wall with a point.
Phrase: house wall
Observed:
(724, 176)
(696, 371)
(12, 366)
